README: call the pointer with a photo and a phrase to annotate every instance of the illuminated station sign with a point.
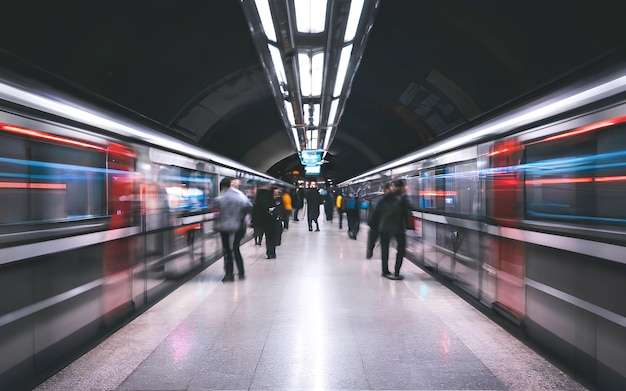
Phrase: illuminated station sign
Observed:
(311, 157)
(313, 170)
(312, 160)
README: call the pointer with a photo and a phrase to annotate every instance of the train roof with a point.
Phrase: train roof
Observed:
(586, 85)
(26, 85)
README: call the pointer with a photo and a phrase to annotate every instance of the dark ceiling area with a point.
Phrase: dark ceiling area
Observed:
(428, 67)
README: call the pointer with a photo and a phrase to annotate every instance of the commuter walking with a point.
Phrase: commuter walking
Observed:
(329, 205)
(400, 187)
(313, 202)
(288, 208)
(340, 210)
(279, 215)
(298, 203)
(352, 212)
(233, 206)
(264, 219)
(373, 234)
(389, 218)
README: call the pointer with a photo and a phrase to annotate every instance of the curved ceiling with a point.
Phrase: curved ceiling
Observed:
(428, 67)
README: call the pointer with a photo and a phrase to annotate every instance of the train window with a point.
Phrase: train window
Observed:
(413, 191)
(187, 190)
(504, 181)
(461, 188)
(578, 176)
(122, 186)
(427, 190)
(610, 178)
(43, 180)
(432, 189)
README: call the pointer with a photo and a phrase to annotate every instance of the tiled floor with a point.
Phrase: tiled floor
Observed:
(319, 316)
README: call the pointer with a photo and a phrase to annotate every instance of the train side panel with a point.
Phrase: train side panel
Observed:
(93, 230)
(533, 226)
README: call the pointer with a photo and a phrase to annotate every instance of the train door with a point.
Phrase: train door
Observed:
(504, 205)
(415, 243)
(119, 249)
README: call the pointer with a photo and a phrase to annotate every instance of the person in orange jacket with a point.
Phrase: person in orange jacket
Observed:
(340, 211)
(288, 208)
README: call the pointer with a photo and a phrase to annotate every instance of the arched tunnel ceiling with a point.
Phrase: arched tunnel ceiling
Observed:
(428, 66)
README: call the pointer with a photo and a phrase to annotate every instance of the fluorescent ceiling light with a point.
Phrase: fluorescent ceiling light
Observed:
(344, 60)
(301, 26)
(317, 73)
(333, 112)
(279, 68)
(326, 139)
(304, 61)
(263, 7)
(296, 138)
(311, 73)
(289, 110)
(356, 8)
(310, 15)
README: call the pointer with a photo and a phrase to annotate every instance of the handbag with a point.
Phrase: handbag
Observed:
(275, 213)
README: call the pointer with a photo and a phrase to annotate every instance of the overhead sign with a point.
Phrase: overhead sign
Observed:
(311, 157)
(313, 170)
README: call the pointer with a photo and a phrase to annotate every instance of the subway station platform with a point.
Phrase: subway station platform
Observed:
(319, 316)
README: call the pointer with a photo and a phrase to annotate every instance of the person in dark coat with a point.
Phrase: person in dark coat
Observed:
(264, 221)
(279, 214)
(298, 203)
(400, 187)
(340, 208)
(373, 234)
(329, 205)
(352, 212)
(313, 202)
(390, 221)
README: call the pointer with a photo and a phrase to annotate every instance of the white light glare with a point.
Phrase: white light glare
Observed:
(311, 73)
(290, 116)
(344, 60)
(329, 131)
(317, 73)
(278, 65)
(263, 7)
(296, 138)
(304, 61)
(333, 112)
(356, 8)
(310, 15)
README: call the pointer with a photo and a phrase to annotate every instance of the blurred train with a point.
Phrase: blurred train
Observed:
(525, 210)
(101, 215)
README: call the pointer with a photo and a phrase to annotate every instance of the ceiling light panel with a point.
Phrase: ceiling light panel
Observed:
(356, 9)
(310, 67)
(310, 15)
(317, 73)
(263, 7)
(279, 68)
(304, 62)
(344, 61)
